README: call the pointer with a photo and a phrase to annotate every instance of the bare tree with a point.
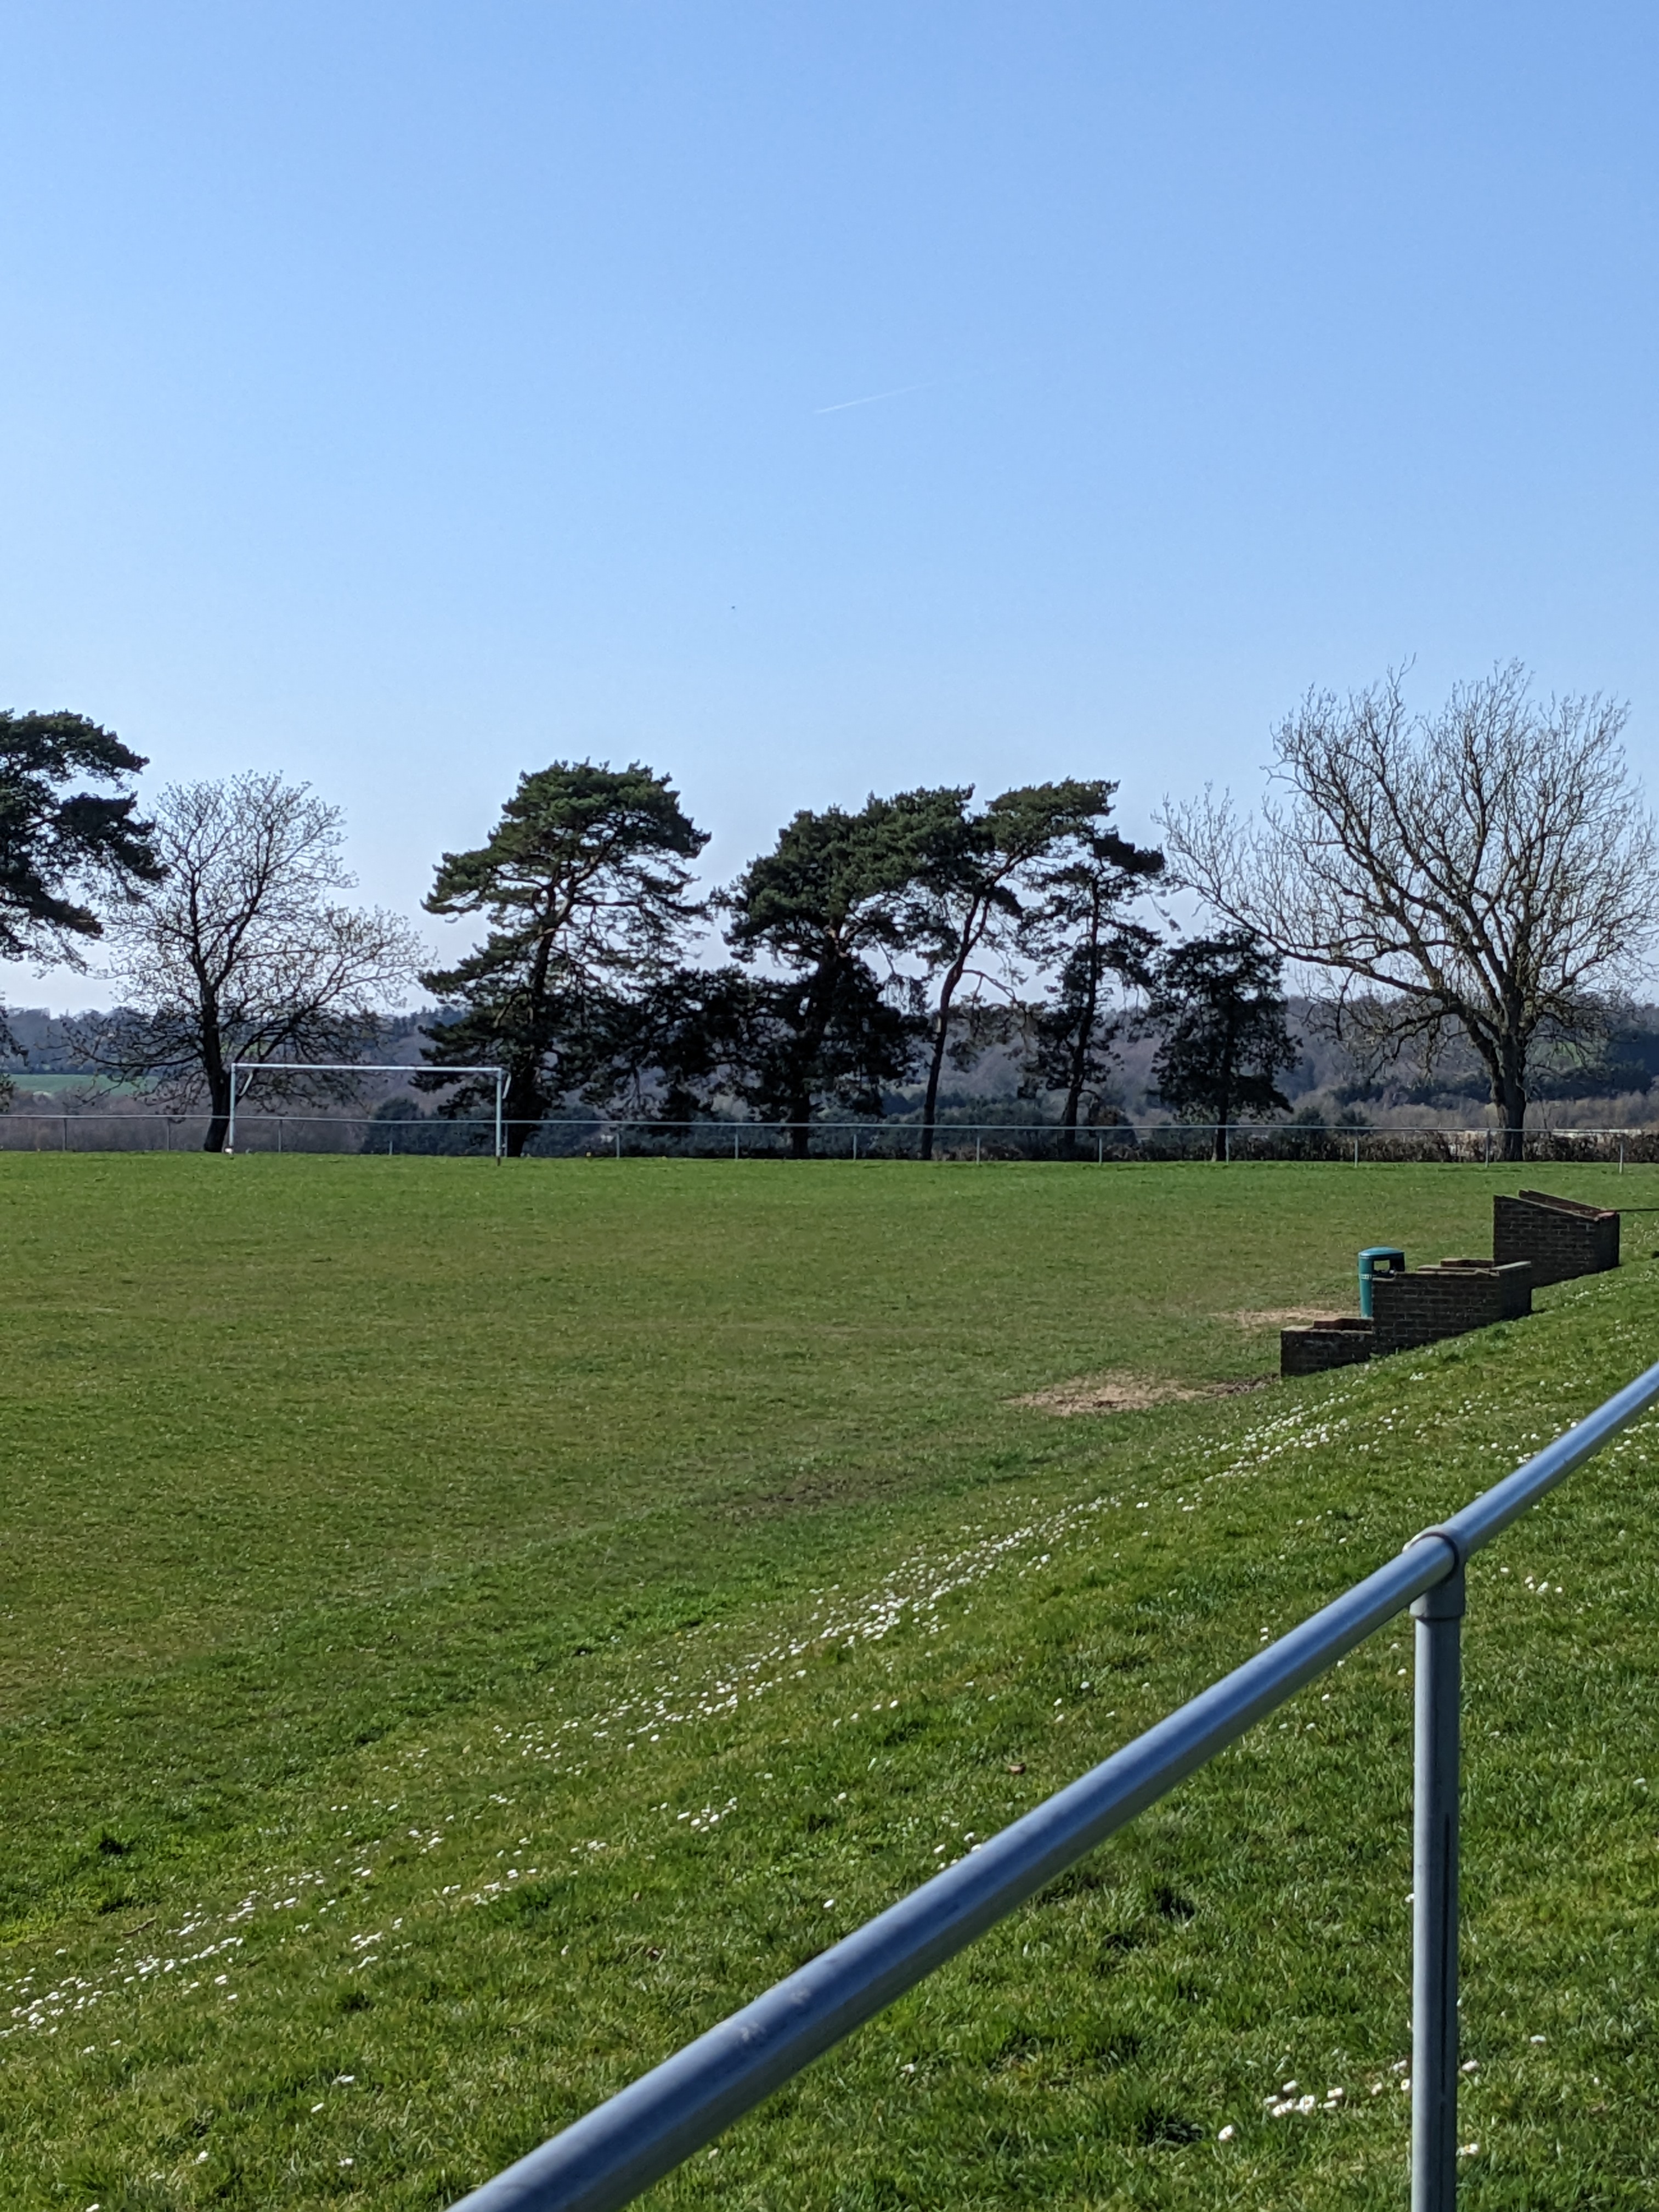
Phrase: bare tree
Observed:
(242, 954)
(1489, 870)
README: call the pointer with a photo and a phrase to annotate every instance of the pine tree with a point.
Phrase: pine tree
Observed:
(584, 882)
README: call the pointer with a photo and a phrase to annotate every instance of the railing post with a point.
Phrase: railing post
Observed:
(1439, 1617)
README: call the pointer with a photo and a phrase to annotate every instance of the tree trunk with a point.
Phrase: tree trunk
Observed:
(941, 1034)
(800, 1126)
(523, 1103)
(521, 1112)
(1509, 1096)
(218, 1081)
(1073, 1096)
(1086, 1030)
(809, 1046)
(930, 1102)
(1068, 1118)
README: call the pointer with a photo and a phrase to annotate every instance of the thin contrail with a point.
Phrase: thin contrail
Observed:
(869, 399)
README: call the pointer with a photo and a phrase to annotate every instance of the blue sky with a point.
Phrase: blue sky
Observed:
(402, 395)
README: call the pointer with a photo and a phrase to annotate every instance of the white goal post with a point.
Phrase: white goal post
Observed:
(253, 1067)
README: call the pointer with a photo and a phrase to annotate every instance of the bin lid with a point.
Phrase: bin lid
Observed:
(1383, 1252)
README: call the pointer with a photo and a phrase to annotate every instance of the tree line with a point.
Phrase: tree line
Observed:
(1488, 872)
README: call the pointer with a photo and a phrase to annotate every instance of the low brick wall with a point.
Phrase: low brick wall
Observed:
(1339, 1342)
(1428, 1303)
(1559, 1236)
(1535, 1238)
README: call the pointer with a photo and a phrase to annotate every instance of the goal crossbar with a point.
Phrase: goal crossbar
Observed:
(253, 1067)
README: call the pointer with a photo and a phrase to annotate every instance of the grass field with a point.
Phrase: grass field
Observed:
(467, 1629)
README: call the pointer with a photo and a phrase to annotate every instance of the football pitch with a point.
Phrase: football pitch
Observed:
(466, 1629)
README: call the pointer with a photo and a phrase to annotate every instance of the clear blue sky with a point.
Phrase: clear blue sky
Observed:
(404, 395)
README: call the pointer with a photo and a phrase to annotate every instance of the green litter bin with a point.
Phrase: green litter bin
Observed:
(1387, 1258)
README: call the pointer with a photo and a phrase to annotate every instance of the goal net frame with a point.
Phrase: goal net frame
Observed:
(253, 1067)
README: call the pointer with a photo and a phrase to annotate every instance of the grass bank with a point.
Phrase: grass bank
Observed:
(469, 1628)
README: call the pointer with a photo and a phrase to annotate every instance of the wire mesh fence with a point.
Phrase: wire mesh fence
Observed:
(569, 1136)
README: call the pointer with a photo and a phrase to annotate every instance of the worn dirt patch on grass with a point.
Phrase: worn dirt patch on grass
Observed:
(1129, 1394)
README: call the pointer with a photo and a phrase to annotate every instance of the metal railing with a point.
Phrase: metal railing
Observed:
(637, 2137)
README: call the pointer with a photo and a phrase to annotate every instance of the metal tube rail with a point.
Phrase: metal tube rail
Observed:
(1439, 1615)
(607, 2157)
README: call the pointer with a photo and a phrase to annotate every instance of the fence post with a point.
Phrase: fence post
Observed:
(1439, 1617)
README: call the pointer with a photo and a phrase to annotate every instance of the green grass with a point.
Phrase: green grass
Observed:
(395, 1551)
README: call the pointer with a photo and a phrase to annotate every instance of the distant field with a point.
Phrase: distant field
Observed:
(31, 1084)
(394, 1551)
